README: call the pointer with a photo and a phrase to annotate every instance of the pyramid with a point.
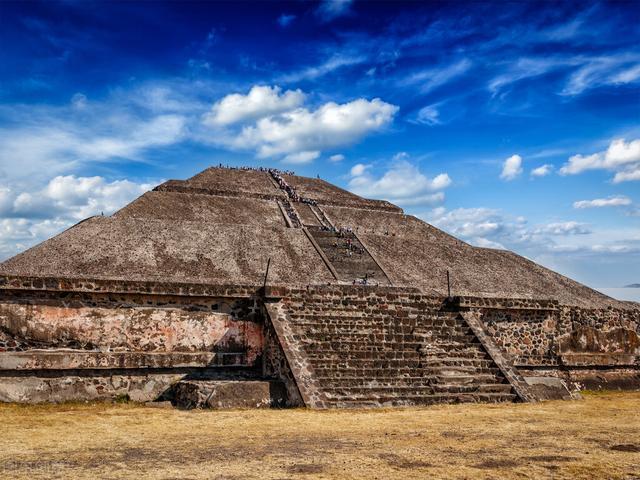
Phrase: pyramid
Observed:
(244, 286)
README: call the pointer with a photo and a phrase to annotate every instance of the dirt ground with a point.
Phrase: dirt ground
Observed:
(598, 437)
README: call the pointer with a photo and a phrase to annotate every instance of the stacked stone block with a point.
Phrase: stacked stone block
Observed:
(388, 347)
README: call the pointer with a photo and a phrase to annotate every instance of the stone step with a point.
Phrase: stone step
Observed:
(419, 371)
(408, 324)
(401, 390)
(473, 387)
(363, 401)
(390, 380)
(365, 354)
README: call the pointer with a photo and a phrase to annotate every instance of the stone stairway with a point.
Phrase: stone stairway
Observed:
(391, 347)
(351, 264)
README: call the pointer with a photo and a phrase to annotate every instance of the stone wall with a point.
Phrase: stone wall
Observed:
(129, 322)
(542, 334)
(75, 339)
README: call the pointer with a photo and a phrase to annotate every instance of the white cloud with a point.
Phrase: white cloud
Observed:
(67, 197)
(590, 72)
(330, 9)
(511, 168)
(54, 145)
(336, 158)
(616, 201)
(603, 71)
(403, 183)
(628, 175)
(428, 115)
(332, 125)
(28, 217)
(525, 68)
(335, 62)
(261, 101)
(564, 228)
(471, 224)
(433, 78)
(358, 169)
(542, 170)
(301, 157)
(621, 156)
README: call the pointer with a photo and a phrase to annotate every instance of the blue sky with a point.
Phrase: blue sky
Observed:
(510, 125)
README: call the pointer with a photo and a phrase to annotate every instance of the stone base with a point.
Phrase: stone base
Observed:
(229, 394)
(577, 379)
(549, 388)
(75, 388)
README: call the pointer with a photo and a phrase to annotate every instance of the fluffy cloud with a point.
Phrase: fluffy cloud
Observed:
(403, 184)
(564, 228)
(484, 227)
(603, 202)
(70, 198)
(27, 217)
(301, 157)
(261, 101)
(296, 132)
(621, 157)
(542, 170)
(336, 158)
(511, 168)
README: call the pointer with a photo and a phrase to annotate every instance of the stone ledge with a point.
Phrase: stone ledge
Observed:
(504, 303)
(599, 359)
(74, 359)
(17, 282)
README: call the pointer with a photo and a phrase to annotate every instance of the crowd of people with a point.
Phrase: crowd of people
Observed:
(295, 220)
(257, 169)
(282, 183)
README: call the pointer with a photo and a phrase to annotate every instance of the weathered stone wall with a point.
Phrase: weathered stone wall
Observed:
(539, 334)
(129, 322)
(74, 339)
(529, 337)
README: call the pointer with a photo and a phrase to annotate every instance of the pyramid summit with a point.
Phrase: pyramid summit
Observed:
(243, 286)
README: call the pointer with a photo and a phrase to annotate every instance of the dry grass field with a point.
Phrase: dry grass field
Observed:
(598, 437)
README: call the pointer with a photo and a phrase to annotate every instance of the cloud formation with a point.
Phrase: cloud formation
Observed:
(261, 101)
(28, 217)
(617, 201)
(511, 168)
(542, 170)
(564, 228)
(621, 157)
(283, 128)
(403, 184)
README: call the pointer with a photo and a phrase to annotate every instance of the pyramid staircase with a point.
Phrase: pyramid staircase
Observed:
(348, 256)
(393, 348)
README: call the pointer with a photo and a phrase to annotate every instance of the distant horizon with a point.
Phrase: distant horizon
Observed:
(510, 125)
